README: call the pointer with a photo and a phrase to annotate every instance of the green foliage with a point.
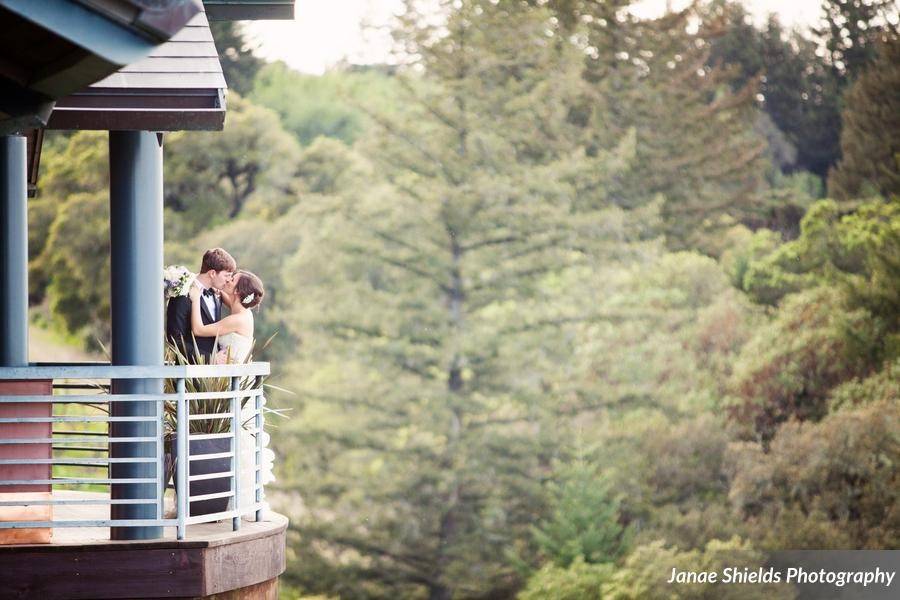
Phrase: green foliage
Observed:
(883, 385)
(871, 160)
(212, 176)
(584, 519)
(578, 581)
(834, 247)
(74, 262)
(798, 90)
(77, 164)
(831, 484)
(789, 367)
(465, 261)
(696, 144)
(649, 567)
(745, 247)
(423, 299)
(333, 105)
(851, 30)
(854, 251)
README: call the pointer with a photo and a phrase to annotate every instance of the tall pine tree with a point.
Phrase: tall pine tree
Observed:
(434, 319)
(696, 147)
(870, 141)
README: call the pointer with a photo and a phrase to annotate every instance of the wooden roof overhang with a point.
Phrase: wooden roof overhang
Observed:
(51, 48)
(242, 10)
(179, 86)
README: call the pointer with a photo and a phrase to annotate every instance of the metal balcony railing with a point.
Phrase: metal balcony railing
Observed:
(80, 416)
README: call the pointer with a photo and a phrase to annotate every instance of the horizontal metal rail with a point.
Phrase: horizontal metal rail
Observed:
(84, 389)
(73, 461)
(118, 440)
(211, 456)
(107, 398)
(74, 480)
(98, 523)
(221, 515)
(67, 419)
(201, 497)
(205, 476)
(43, 371)
(210, 416)
(79, 502)
(209, 436)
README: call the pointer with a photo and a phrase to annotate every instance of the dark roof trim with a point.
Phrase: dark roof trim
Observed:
(152, 109)
(244, 10)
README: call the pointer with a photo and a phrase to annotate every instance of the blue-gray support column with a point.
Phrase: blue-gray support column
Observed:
(136, 233)
(13, 252)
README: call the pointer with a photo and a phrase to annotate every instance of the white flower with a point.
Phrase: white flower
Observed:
(177, 281)
(248, 298)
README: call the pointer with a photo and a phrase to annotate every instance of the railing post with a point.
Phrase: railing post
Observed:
(236, 452)
(182, 458)
(258, 425)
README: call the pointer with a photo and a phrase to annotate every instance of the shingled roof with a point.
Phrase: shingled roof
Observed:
(51, 49)
(179, 86)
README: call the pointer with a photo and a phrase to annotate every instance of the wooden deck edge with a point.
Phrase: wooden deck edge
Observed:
(220, 567)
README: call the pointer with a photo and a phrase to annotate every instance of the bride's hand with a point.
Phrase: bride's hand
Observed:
(222, 357)
(194, 293)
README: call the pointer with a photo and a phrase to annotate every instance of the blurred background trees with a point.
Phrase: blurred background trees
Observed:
(567, 299)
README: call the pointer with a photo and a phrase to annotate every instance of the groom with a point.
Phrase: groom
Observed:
(216, 269)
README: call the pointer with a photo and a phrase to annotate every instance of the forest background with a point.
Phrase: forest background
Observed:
(566, 298)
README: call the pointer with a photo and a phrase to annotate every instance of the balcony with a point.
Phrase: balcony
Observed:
(67, 467)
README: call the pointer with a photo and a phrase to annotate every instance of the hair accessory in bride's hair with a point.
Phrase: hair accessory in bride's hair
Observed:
(248, 298)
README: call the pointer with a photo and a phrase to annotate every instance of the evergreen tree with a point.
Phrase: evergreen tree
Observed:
(797, 88)
(696, 146)
(584, 521)
(870, 141)
(433, 319)
(850, 31)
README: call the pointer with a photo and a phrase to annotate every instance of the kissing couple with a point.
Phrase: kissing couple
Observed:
(194, 317)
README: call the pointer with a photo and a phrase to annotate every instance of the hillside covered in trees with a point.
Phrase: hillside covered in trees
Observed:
(566, 299)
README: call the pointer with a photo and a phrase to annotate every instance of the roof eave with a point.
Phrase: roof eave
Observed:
(249, 10)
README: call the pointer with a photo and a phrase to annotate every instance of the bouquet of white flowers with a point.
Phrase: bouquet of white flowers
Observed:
(177, 280)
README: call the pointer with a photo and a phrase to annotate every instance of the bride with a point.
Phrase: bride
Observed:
(235, 332)
(235, 335)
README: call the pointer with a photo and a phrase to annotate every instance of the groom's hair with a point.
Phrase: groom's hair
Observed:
(217, 259)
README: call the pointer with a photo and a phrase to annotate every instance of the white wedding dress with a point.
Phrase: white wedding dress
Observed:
(237, 348)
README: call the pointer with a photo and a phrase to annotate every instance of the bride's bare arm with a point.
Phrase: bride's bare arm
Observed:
(227, 325)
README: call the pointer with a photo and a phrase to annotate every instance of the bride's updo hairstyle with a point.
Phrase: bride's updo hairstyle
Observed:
(249, 289)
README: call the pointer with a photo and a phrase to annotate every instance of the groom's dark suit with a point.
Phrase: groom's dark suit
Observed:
(178, 326)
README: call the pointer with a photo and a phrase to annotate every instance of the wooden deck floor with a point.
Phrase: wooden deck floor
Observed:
(100, 535)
